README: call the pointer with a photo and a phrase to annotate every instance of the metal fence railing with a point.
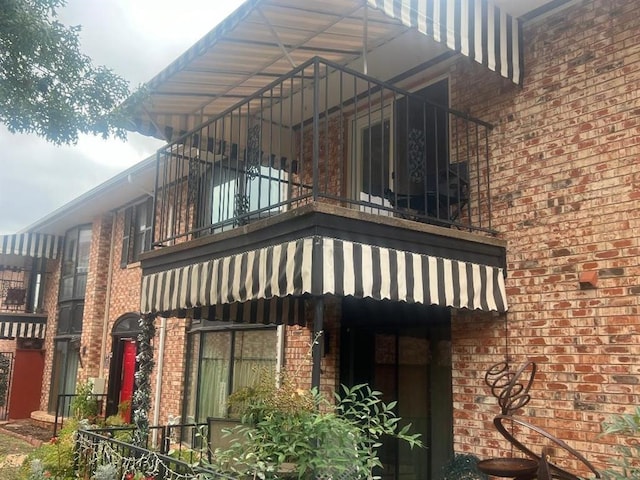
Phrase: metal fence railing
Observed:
(6, 377)
(325, 133)
(64, 406)
(101, 447)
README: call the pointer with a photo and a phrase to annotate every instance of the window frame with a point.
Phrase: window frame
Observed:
(222, 184)
(75, 235)
(193, 371)
(137, 229)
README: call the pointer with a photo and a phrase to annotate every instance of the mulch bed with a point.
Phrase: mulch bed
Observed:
(28, 431)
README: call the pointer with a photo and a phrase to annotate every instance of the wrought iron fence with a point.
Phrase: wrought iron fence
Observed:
(325, 133)
(6, 376)
(110, 448)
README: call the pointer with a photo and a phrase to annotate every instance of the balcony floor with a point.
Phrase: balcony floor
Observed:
(335, 222)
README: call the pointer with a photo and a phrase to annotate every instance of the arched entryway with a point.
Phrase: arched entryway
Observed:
(123, 363)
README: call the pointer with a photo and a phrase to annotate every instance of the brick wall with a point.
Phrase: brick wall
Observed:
(125, 298)
(95, 298)
(565, 195)
(172, 387)
(50, 305)
(298, 341)
(114, 300)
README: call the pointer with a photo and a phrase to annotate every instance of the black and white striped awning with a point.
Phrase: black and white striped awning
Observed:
(475, 28)
(324, 266)
(22, 328)
(37, 245)
(244, 53)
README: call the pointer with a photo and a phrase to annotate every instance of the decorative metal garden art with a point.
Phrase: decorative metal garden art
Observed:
(512, 391)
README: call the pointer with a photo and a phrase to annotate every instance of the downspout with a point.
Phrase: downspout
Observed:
(160, 365)
(280, 336)
(105, 320)
(365, 39)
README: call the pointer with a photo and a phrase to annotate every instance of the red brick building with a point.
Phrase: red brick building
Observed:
(460, 194)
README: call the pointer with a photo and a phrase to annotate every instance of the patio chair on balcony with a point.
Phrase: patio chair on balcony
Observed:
(444, 199)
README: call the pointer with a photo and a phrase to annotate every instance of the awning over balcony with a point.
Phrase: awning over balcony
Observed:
(475, 28)
(324, 266)
(36, 245)
(265, 39)
(22, 326)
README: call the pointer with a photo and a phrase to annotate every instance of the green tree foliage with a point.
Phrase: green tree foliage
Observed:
(47, 85)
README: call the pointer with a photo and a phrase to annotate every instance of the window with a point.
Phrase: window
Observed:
(66, 358)
(228, 192)
(73, 283)
(401, 153)
(221, 362)
(137, 231)
(75, 263)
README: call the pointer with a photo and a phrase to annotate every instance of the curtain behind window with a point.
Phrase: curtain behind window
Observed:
(214, 374)
(211, 368)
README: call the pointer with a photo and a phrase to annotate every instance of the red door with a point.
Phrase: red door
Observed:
(127, 380)
(27, 383)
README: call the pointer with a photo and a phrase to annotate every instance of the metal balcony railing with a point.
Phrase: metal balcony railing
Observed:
(13, 292)
(325, 133)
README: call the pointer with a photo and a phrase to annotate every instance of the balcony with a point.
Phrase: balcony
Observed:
(17, 316)
(325, 134)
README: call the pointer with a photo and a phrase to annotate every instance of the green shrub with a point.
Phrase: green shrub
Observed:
(627, 466)
(54, 459)
(287, 432)
(84, 405)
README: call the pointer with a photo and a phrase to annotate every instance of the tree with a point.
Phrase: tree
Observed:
(47, 85)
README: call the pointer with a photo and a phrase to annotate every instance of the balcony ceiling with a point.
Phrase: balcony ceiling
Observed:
(264, 39)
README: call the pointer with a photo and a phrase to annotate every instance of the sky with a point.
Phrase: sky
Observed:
(136, 39)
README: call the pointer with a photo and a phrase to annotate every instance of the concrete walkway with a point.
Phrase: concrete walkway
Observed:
(12, 460)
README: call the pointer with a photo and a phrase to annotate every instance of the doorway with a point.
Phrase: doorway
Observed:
(373, 151)
(123, 365)
(401, 151)
(403, 351)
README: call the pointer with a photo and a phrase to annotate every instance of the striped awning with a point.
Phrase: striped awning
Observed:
(325, 266)
(475, 28)
(22, 328)
(263, 39)
(37, 245)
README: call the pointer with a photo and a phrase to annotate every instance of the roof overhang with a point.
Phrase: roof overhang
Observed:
(125, 188)
(265, 39)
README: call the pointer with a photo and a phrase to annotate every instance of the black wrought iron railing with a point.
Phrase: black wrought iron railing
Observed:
(13, 292)
(325, 133)
(171, 451)
(7, 361)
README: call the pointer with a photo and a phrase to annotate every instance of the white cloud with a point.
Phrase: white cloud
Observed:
(137, 39)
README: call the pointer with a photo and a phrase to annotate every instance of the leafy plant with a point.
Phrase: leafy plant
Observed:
(54, 460)
(84, 405)
(291, 432)
(106, 472)
(627, 466)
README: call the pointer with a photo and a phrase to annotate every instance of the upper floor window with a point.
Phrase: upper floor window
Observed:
(231, 196)
(137, 231)
(75, 263)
